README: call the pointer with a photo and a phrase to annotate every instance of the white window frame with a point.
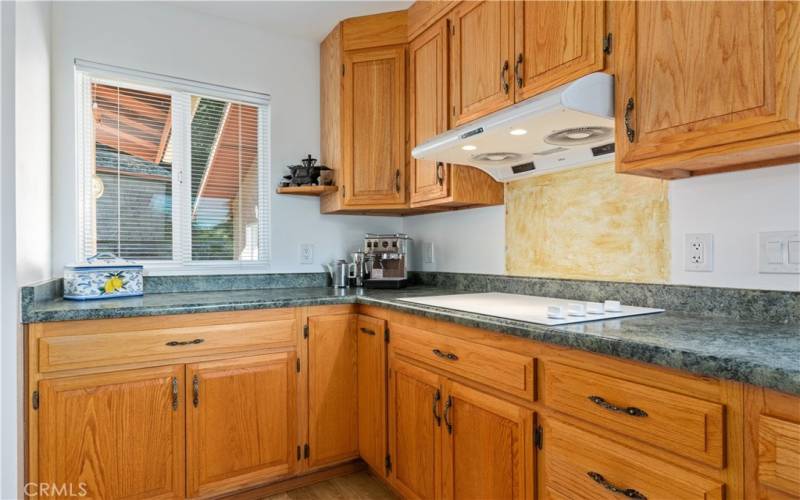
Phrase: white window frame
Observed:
(181, 91)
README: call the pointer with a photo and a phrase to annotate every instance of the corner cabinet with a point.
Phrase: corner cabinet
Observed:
(706, 87)
(437, 183)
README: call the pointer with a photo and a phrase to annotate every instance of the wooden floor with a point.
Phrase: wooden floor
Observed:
(358, 486)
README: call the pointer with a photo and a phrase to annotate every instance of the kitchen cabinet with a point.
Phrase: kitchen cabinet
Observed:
(371, 369)
(556, 43)
(481, 59)
(704, 87)
(332, 389)
(452, 441)
(113, 435)
(437, 183)
(241, 422)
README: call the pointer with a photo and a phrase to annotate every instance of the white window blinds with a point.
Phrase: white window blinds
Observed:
(171, 177)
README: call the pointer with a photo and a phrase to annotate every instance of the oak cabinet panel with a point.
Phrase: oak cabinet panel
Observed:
(484, 453)
(114, 435)
(241, 422)
(556, 43)
(706, 86)
(332, 389)
(481, 59)
(415, 420)
(372, 391)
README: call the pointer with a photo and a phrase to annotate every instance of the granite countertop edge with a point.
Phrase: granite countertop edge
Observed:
(703, 364)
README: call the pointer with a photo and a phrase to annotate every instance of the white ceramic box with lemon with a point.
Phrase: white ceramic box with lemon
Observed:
(103, 276)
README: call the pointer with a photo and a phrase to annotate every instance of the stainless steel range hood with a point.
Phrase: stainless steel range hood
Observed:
(568, 127)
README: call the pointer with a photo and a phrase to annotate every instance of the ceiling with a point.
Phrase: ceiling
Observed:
(311, 20)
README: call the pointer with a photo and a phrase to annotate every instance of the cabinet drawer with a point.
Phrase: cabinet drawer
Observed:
(779, 454)
(684, 425)
(108, 346)
(506, 371)
(579, 464)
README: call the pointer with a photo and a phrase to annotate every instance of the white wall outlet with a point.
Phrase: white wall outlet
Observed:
(779, 252)
(427, 252)
(306, 253)
(698, 252)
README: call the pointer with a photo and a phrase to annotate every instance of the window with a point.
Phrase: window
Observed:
(172, 173)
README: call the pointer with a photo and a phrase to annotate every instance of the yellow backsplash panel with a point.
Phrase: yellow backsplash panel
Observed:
(589, 223)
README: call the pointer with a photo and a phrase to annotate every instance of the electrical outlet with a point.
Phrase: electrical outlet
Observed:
(427, 252)
(698, 252)
(306, 253)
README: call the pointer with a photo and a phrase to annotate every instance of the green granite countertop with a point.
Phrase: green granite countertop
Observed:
(759, 353)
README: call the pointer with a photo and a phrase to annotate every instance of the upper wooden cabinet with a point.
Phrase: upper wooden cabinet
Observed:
(241, 422)
(363, 114)
(705, 87)
(556, 43)
(481, 59)
(439, 183)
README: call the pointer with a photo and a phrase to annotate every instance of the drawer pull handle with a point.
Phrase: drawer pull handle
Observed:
(504, 77)
(630, 410)
(445, 355)
(368, 331)
(628, 492)
(436, 398)
(174, 393)
(447, 406)
(173, 343)
(195, 391)
(629, 131)
(440, 173)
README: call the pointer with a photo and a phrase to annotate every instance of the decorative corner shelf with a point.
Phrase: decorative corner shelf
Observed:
(307, 190)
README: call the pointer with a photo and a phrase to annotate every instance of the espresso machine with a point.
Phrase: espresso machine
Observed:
(386, 260)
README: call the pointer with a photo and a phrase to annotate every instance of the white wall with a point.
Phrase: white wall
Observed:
(175, 41)
(733, 206)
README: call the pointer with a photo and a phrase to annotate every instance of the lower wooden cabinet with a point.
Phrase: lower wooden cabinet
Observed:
(448, 440)
(332, 389)
(113, 435)
(372, 391)
(241, 422)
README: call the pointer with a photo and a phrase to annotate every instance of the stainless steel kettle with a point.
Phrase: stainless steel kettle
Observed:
(339, 273)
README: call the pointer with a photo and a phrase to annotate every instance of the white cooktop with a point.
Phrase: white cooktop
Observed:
(528, 308)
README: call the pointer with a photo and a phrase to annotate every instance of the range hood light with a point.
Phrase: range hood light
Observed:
(518, 131)
(469, 147)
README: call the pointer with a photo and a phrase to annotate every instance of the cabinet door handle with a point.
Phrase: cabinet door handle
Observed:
(436, 398)
(174, 393)
(368, 331)
(445, 355)
(504, 77)
(630, 410)
(629, 131)
(627, 492)
(517, 70)
(397, 180)
(440, 173)
(447, 406)
(195, 391)
(173, 343)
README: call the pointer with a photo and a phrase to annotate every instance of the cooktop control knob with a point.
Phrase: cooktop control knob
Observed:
(612, 306)
(576, 309)
(595, 308)
(555, 312)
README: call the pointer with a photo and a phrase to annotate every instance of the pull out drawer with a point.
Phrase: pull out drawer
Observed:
(503, 370)
(579, 464)
(114, 342)
(684, 425)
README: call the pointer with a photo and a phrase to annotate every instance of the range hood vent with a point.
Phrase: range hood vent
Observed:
(568, 127)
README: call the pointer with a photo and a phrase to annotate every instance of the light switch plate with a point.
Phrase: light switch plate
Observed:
(778, 252)
(427, 252)
(698, 252)
(306, 253)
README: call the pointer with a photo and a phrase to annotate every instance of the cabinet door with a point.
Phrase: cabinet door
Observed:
(481, 60)
(372, 392)
(556, 42)
(114, 435)
(374, 126)
(240, 422)
(487, 450)
(428, 103)
(415, 409)
(332, 389)
(707, 85)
